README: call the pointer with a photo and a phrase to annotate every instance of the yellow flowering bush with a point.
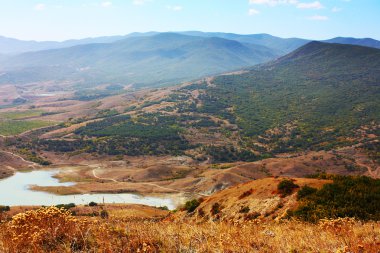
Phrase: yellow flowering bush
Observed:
(44, 230)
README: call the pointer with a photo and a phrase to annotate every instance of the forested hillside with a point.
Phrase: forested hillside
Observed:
(318, 95)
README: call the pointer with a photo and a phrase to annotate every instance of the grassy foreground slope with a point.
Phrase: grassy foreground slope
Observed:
(233, 225)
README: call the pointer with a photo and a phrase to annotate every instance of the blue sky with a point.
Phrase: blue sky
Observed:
(73, 19)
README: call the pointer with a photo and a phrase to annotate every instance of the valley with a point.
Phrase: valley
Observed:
(146, 126)
(200, 137)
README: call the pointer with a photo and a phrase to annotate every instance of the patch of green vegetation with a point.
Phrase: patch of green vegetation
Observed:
(347, 196)
(165, 208)
(14, 127)
(148, 134)
(21, 114)
(92, 94)
(4, 209)
(66, 206)
(33, 156)
(229, 153)
(191, 205)
(325, 91)
(373, 151)
(286, 187)
(305, 191)
(216, 208)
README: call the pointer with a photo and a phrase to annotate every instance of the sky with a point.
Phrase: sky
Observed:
(74, 19)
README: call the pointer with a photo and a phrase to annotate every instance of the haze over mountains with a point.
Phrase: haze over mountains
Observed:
(315, 98)
(162, 58)
(143, 59)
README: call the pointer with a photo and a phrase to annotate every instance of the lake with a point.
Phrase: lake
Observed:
(14, 191)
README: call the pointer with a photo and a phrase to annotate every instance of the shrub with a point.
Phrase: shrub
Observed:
(104, 214)
(44, 230)
(244, 209)
(305, 191)
(4, 209)
(165, 208)
(246, 194)
(356, 197)
(201, 212)
(92, 203)
(252, 216)
(286, 187)
(66, 206)
(191, 205)
(215, 209)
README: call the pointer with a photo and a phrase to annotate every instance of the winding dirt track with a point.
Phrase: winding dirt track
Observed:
(22, 159)
(143, 183)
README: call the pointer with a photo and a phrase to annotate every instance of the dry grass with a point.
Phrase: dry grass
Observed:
(54, 230)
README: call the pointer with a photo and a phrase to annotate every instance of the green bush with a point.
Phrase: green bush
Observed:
(66, 206)
(191, 205)
(286, 187)
(305, 191)
(104, 214)
(215, 209)
(347, 196)
(244, 209)
(4, 209)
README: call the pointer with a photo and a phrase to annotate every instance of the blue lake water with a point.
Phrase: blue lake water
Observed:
(14, 191)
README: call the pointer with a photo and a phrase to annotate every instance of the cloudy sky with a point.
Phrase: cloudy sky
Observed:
(73, 19)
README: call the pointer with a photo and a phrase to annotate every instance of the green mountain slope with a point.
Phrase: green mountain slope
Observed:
(319, 97)
(146, 60)
(322, 91)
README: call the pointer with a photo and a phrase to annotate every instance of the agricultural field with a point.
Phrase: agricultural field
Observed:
(24, 114)
(15, 127)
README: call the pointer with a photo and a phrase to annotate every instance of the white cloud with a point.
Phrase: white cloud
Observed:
(40, 7)
(174, 7)
(140, 2)
(106, 4)
(336, 9)
(312, 5)
(252, 12)
(318, 18)
(273, 2)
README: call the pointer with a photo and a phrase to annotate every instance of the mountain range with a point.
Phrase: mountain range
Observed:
(318, 97)
(143, 59)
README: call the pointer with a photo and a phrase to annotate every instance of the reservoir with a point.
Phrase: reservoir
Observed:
(15, 191)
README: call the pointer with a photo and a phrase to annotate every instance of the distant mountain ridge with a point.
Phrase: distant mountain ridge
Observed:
(15, 46)
(165, 58)
(279, 45)
(368, 42)
(145, 59)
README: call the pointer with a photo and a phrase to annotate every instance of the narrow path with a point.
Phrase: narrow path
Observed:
(144, 183)
(107, 179)
(369, 168)
(15, 155)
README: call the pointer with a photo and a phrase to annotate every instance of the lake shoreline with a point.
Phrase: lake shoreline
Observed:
(22, 194)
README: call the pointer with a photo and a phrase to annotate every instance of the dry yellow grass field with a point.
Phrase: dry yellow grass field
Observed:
(55, 230)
